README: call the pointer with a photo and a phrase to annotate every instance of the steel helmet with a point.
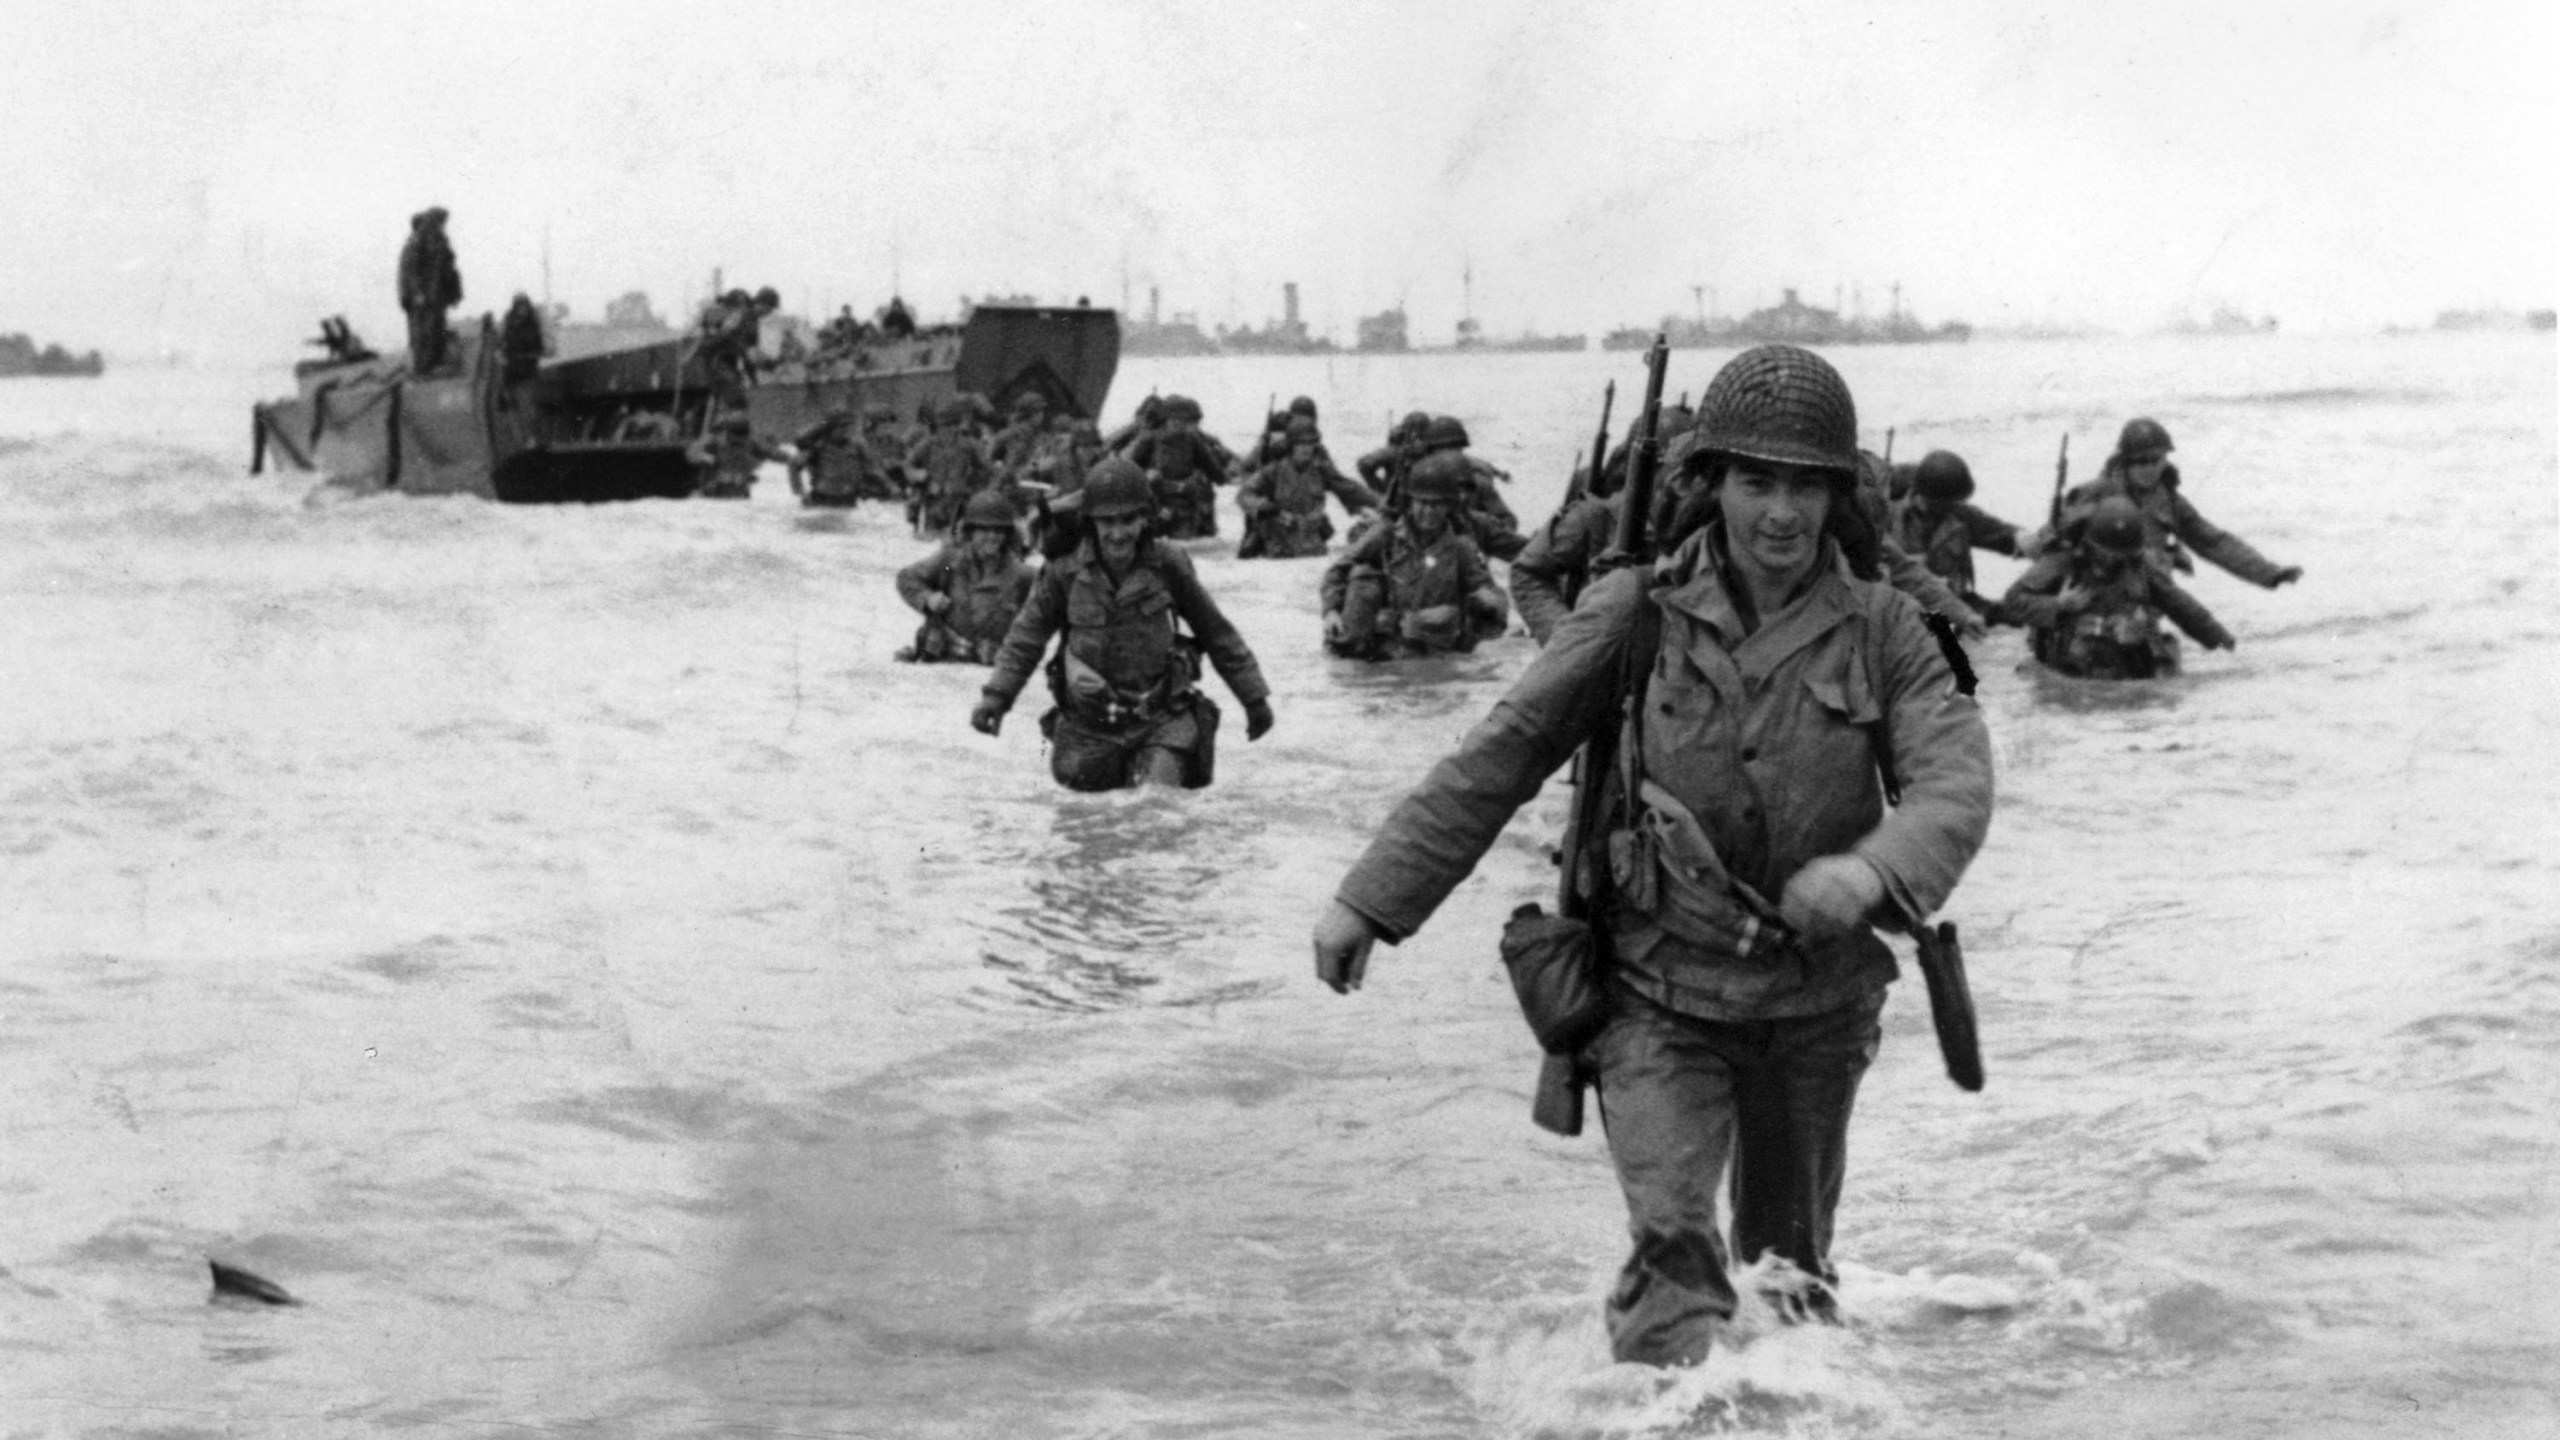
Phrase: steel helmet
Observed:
(1151, 410)
(1442, 476)
(769, 298)
(1943, 477)
(1445, 432)
(1410, 427)
(1117, 487)
(1303, 405)
(1182, 407)
(1782, 404)
(1030, 402)
(987, 510)
(2143, 438)
(2116, 527)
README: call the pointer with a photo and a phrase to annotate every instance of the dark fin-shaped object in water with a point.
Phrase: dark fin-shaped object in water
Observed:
(233, 1284)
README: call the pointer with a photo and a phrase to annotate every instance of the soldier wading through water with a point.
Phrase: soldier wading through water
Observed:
(1749, 867)
(1128, 711)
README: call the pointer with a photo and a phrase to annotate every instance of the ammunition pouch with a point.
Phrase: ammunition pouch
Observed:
(1665, 869)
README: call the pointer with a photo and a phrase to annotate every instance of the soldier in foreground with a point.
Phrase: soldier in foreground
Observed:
(969, 590)
(1129, 710)
(1749, 851)
(2093, 602)
(1414, 584)
(725, 460)
(1939, 525)
(2140, 472)
(430, 284)
(1283, 502)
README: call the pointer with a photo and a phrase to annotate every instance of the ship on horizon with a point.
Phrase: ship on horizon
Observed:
(1791, 322)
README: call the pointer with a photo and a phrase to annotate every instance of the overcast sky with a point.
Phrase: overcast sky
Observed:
(211, 176)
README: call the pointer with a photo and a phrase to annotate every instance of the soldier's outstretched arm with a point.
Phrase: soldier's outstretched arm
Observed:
(2188, 613)
(1041, 617)
(1217, 635)
(2223, 548)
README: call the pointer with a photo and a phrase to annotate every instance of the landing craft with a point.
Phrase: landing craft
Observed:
(615, 425)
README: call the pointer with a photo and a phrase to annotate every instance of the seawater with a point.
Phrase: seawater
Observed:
(562, 948)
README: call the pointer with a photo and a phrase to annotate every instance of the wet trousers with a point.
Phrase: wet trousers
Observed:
(1175, 748)
(1681, 1098)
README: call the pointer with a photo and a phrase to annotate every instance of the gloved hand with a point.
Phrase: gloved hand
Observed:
(1257, 719)
(988, 718)
(1831, 896)
(1343, 940)
(2072, 602)
(2287, 576)
(935, 602)
(1970, 624)
(1333, 625)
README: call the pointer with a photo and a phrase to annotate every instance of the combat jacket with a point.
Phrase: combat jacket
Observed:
(838, 461)
(1124, 632)
(1293, 489)
(985, 594)
(1497, 530)
(1420, 576)
(950, 464)
(2142, 590)
(2168, 520)
(1180, 457)
(1559, 557)
(1765, 739)
(1945, 540)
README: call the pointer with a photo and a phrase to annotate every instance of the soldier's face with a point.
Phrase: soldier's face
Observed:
(1773, 518)
(1117, 535)
(2148, 468)
(1430, 517)
(986, 541)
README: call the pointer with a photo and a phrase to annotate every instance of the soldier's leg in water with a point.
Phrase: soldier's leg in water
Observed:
(1791, 1147)
(1167, 754)
(1666, 1101)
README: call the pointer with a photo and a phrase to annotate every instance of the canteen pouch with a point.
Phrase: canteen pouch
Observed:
(1555, 972)
(1667, 870)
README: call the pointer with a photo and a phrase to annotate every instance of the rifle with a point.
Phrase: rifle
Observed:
(1558, 1106)
(1888, 447)
(2061, 472)
(1584, 482)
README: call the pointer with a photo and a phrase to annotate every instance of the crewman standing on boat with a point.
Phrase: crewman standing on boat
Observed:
(430, 284)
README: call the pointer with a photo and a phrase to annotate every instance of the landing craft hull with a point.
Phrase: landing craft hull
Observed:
(564, 435)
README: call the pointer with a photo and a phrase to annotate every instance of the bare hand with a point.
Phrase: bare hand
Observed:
(2287, 576)
(988, 718)
(935, 602)
(1343, 940)
(1831, 896)
(1258, 719)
